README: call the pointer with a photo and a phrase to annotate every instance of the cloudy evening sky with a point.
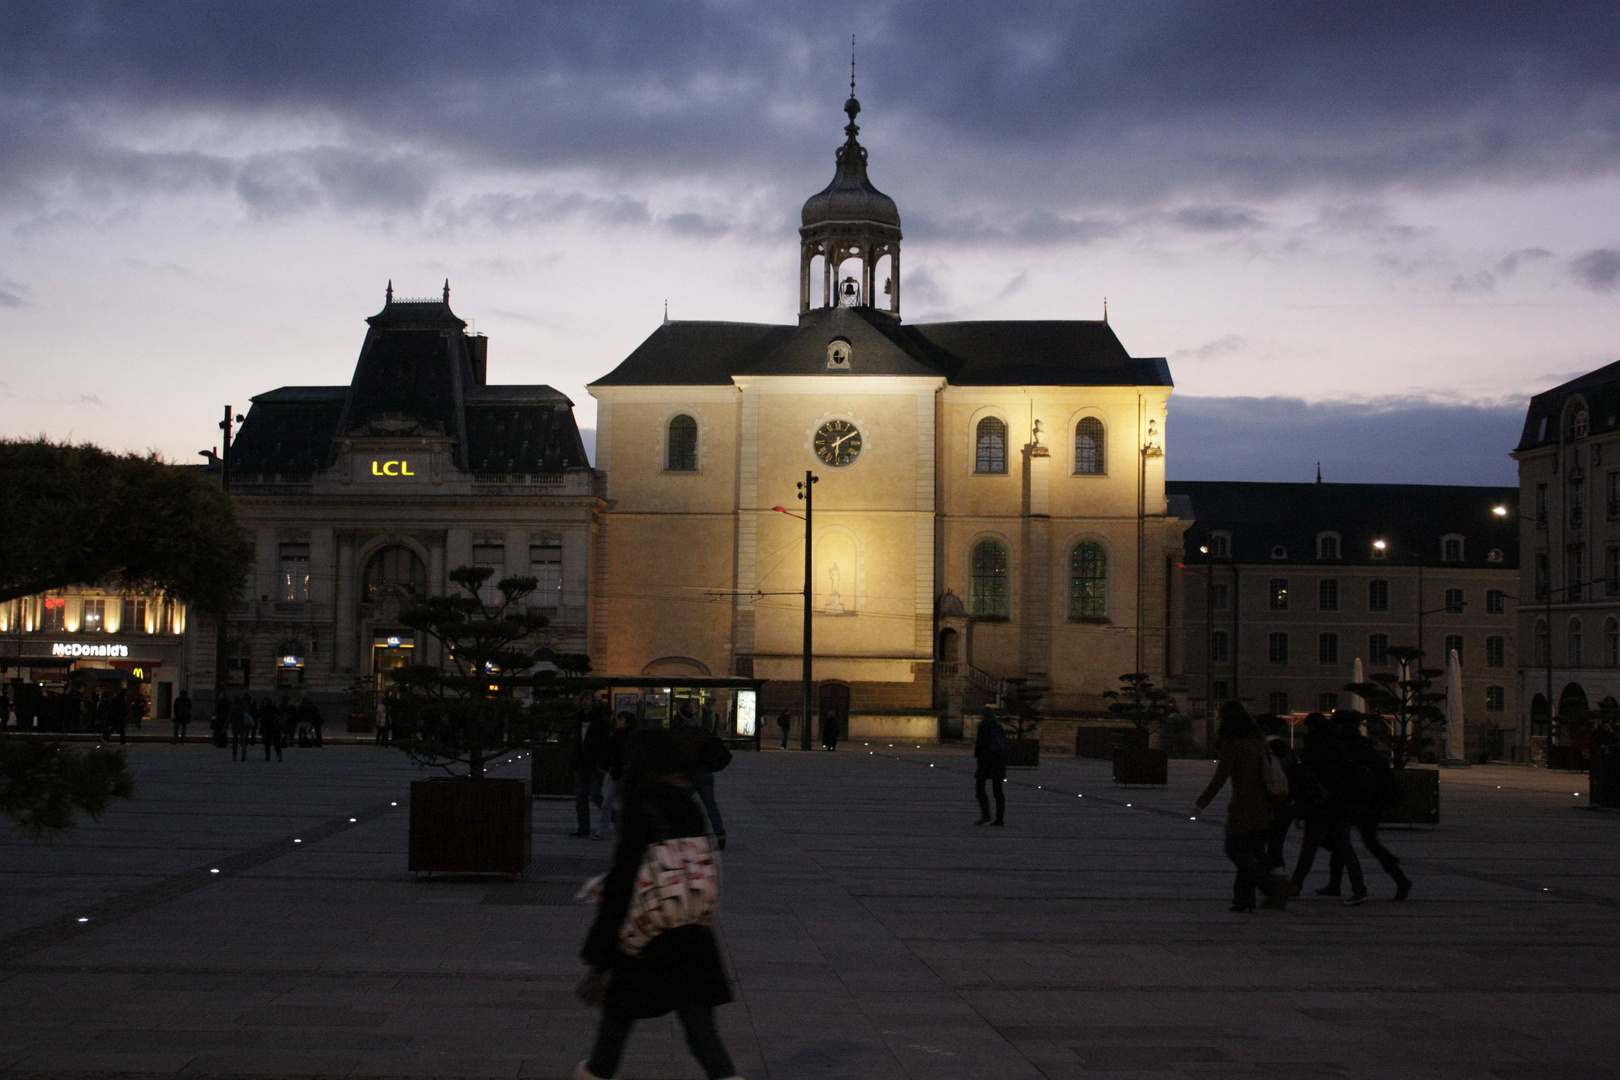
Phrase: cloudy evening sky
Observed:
(1361, 233)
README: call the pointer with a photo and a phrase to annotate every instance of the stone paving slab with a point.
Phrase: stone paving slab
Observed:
(873, 931)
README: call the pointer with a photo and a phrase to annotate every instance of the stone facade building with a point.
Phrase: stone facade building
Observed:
(1285, 586)
(358, 497)
(990, 498)
(1569, 484)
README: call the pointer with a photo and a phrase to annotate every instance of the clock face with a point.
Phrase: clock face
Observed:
(838, 443)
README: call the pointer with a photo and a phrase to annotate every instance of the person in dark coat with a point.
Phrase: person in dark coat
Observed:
(588, 753)
(1252, 811)
(271, 731)
(707, 754)
(829, 731)
(618, 759)
(1275, 729)
(990, 756)
(222, 721)
(1371, 775)
(784, 720)
(1329, 823)
(241, 723)
(679, 970)
(309, 714)
(181, 712)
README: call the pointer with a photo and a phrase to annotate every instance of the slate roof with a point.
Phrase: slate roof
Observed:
(1410, 518)
(1000, 353)
(415, 375)
(1600, 388)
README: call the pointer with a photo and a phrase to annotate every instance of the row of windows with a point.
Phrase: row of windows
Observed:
(990, 592)
(1327, 701)
(1574, 643)
(398, 569)
(1327, 648)
(1575, 503)
(1278, 597)
(94, 615)
(1328, 548)
(1575, 583)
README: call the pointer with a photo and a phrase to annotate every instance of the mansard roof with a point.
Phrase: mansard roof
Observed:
(1544, 417)
(1410, 518)
(992, 353)
(416, 375)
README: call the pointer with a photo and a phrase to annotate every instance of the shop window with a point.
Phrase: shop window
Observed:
(1378, 649)
(1378, 595)
(990, 455)
(1496, 651)
(989, 596)
(53, 615)
(1327, 594)
(1088, 582)
(1496, 699)
(545, 564)
(93, 617)
(1327, 649)
(1277, 648)
(294, 582)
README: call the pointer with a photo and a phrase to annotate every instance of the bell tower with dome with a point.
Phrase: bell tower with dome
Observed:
(848, 220)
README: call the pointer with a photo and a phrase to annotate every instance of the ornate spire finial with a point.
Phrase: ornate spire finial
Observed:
(666, 312)
(447, 290)
(852, 65)
(1105, 311)
(388, 297)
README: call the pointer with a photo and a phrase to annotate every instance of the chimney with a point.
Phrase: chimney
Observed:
(478, 350)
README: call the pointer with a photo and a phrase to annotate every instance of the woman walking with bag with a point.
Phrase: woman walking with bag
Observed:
(651, 949)
(1250, 814)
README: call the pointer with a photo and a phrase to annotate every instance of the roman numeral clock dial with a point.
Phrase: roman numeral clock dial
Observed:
(838, 443)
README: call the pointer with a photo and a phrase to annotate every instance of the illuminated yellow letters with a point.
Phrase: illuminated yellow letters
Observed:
(391, 468)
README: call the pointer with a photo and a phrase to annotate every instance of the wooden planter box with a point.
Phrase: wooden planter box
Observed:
(1023, 753)
(360, 723)
(1419, 800)
(1603, 782)
(461, 826)
(1137, 766)
(550, 775)
(1568, 758)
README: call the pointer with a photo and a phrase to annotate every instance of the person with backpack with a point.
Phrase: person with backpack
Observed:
(651, 949)
(1278, 775)
(1328, 823)
(1375, 789)
(990, 750)
(1252, 810)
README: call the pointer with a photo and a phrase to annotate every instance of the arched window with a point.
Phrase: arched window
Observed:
(682, 455)
(395, 569)
(991, 453)
(989, 596)
(1088, 446)
(1327, 545)
(1451, 549)
(1088, 582)
(1573, 648)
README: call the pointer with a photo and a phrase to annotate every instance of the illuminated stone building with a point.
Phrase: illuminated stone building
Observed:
(1569, 485)
(358, 497)
(990, 501)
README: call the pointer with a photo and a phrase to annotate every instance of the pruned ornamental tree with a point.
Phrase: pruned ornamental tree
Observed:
(43, 782)
(1404, 699)
(1148, 708)
(462, 712)
(79, 515)
(1021, 708)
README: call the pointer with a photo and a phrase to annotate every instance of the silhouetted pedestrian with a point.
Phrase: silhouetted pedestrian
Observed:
(589, 737)
(1275, 731)
(1252, 810)
(181, 712)
(241, 724)
(309, 714)
(618, 758)
(271, 731)
(784, 720)
(1374, 783)
(651, 949)
(707, 755)
(829, 731)
(1329, 822)
(990, 747)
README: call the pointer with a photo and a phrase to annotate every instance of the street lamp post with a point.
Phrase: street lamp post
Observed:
(805, 491)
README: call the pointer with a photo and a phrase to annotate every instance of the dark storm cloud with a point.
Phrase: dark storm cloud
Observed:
(1598, 270)
(1396, 441)
(1035, 105)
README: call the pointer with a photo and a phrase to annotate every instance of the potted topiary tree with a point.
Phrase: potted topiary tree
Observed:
(1137, 761)
(1404, 704)
(1025, 749)
(458, 715)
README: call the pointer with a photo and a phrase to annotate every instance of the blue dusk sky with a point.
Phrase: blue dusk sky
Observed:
(1362, 233)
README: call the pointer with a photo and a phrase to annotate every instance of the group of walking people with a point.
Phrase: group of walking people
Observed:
(240, 722)
(1338, 781)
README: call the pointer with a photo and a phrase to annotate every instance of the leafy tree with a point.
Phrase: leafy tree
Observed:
(1147, 707)
(1405, 698)
(42, 783)
(462, 713)
(79, 515)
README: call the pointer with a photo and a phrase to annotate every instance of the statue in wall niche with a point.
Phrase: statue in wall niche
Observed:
(835, 606)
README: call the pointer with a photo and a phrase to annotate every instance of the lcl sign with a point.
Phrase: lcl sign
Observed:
(391, 468)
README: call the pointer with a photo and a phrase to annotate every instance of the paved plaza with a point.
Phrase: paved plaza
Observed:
(873, 931)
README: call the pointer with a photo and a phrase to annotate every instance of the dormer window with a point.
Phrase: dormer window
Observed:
(1580, 424)
(1451, 549)
(1220, 545)
(1327, 545)
(838, 353)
